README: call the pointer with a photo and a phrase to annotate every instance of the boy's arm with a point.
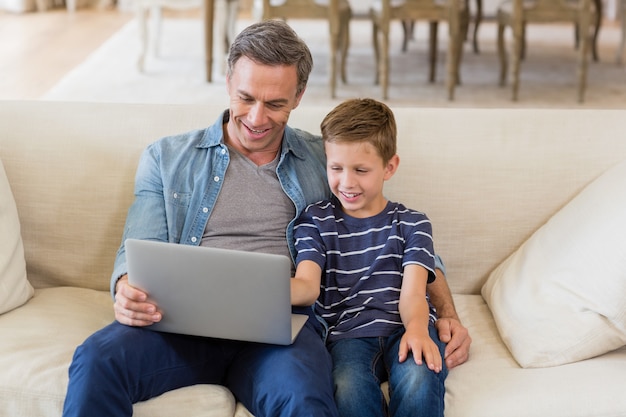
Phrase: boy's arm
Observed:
(305, 285)
(450, 329)
(414, 312)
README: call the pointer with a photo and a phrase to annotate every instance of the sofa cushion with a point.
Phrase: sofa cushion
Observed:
(43, 336)
(560, 297)
(203, 400)
(15, 289)
(492, 384)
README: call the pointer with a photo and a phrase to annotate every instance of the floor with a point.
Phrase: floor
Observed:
(37, 49)
(57, 41)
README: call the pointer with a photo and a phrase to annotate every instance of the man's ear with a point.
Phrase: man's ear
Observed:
(299, 97)
(391, 167)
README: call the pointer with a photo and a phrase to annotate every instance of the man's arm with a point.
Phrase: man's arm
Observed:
(449, 326)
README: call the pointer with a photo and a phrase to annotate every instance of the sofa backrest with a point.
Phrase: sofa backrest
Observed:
(71, 167)
(486, 178)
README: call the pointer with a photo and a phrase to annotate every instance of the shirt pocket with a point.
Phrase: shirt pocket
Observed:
(177, 198)
(176, 211)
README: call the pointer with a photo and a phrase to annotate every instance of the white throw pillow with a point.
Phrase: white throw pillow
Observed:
(15, 289)
(561, 297)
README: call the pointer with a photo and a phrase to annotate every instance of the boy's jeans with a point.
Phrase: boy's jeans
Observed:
(361, 365)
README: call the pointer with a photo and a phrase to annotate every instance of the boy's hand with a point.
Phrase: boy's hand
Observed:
(423, 348)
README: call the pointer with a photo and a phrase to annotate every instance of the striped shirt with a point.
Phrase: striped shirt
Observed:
(362, 262)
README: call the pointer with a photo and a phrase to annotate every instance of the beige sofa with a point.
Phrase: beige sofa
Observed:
(487, 179)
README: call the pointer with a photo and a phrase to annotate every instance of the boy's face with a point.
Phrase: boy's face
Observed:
(356, 174)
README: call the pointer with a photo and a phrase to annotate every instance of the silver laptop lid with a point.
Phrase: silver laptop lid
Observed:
(215, 292)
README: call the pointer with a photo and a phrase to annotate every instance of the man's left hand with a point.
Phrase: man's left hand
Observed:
(458, 341)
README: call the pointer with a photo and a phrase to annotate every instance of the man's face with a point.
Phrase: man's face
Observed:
(261, 99)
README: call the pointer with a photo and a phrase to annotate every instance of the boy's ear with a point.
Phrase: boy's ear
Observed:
(392, 167)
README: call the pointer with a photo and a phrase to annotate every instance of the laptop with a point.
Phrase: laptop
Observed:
(211, 292)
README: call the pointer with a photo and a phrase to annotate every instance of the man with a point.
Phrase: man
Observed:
(238, 184)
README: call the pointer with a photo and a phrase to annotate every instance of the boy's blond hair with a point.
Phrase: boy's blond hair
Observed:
(362, 120)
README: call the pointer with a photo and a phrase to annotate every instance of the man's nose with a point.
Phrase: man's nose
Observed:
(256, 115)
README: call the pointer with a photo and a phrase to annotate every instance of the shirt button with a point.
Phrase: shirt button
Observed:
(216, 178)
(223, 151)
(175, 195)
(194, 239)
(205, 210)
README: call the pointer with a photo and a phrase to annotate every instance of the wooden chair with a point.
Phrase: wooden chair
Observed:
(477, 17)
(226, 15)
(338, 14)
(518, 13)
(597, 23)
(621, 50)
(453, 12)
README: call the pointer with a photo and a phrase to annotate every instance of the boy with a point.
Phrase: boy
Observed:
(365, 262)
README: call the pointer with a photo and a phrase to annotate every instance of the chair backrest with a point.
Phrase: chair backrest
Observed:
(553, 10)
(300, 9)
(419, 9)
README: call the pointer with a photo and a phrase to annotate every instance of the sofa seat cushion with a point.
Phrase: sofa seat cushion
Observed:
(492, 384)
(44, 333)
(482, 387)
(194, 401)
(36, 348)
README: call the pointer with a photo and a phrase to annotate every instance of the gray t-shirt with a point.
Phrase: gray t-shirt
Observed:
(252, 211)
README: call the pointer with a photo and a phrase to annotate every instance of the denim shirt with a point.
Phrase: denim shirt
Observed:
(179, 178)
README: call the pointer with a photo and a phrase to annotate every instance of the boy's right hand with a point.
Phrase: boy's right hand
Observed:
(131, 306)
(422, 347)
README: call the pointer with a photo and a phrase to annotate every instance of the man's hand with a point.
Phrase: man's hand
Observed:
(449, 327)
(131, 307)
(458, 341)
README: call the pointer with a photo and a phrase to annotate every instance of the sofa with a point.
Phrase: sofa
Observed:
(497, 184)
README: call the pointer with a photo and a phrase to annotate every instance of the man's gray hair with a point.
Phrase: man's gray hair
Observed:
(272, 42)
